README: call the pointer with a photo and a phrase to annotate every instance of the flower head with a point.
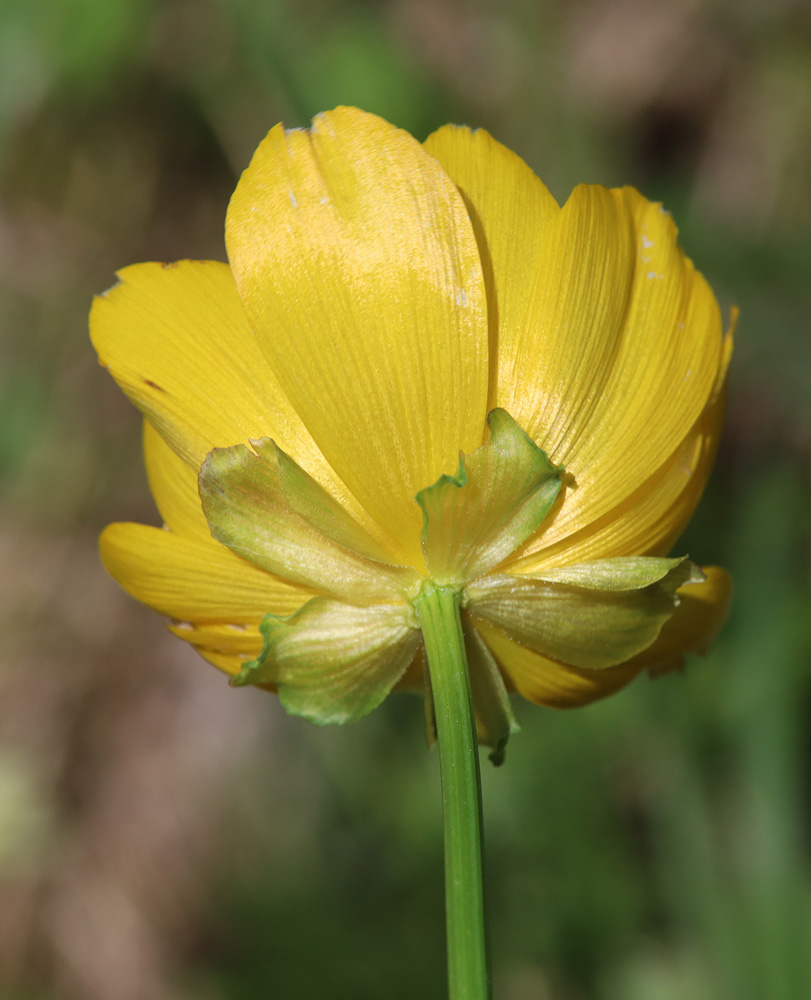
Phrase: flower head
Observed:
(418, 366)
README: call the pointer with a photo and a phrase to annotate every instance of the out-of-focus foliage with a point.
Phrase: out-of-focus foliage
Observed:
(163, 836)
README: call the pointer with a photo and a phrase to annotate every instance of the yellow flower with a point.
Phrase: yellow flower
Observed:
(388, 306)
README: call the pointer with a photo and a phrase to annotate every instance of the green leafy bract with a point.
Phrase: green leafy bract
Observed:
(499, 496)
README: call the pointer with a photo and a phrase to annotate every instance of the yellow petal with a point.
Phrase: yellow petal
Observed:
(242, 641)
(651, 519)
(193, 581)
(546, 682)
(173, 484)
(358, 267)
(229, 663)
(176, 339)
(512, 215)
(652, 344)
(609, 341)
(697, 455)
(227, 647)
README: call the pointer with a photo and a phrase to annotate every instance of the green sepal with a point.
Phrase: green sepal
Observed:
(311, 501)
(245, 499)
(334, 662)
(593, 615)
(499, 496)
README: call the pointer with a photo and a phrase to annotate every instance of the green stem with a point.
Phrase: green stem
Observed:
(438, 612)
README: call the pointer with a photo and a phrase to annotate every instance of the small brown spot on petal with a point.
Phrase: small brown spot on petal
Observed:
(154, 385)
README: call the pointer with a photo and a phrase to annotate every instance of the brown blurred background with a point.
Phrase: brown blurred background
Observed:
(164, 837)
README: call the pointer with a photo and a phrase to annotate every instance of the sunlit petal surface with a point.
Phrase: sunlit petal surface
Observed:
(193, 581)
(176, 339)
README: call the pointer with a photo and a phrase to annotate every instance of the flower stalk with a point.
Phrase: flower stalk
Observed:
(438, 611)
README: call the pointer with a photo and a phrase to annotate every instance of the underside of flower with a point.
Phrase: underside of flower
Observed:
(379, 394)
(341, 654)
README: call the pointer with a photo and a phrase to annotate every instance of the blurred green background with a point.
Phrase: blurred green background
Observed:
(164, 837)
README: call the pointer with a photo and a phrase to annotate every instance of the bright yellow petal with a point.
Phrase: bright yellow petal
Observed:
(229, 663)
(242, 641)
(193, 581)
(512, 213)
(173, 484)
(698, 455)
(658, 348)
(609, 342)
(227, 647)
(176, 339)
(358, 267)
(546, 682)
(649, 520)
